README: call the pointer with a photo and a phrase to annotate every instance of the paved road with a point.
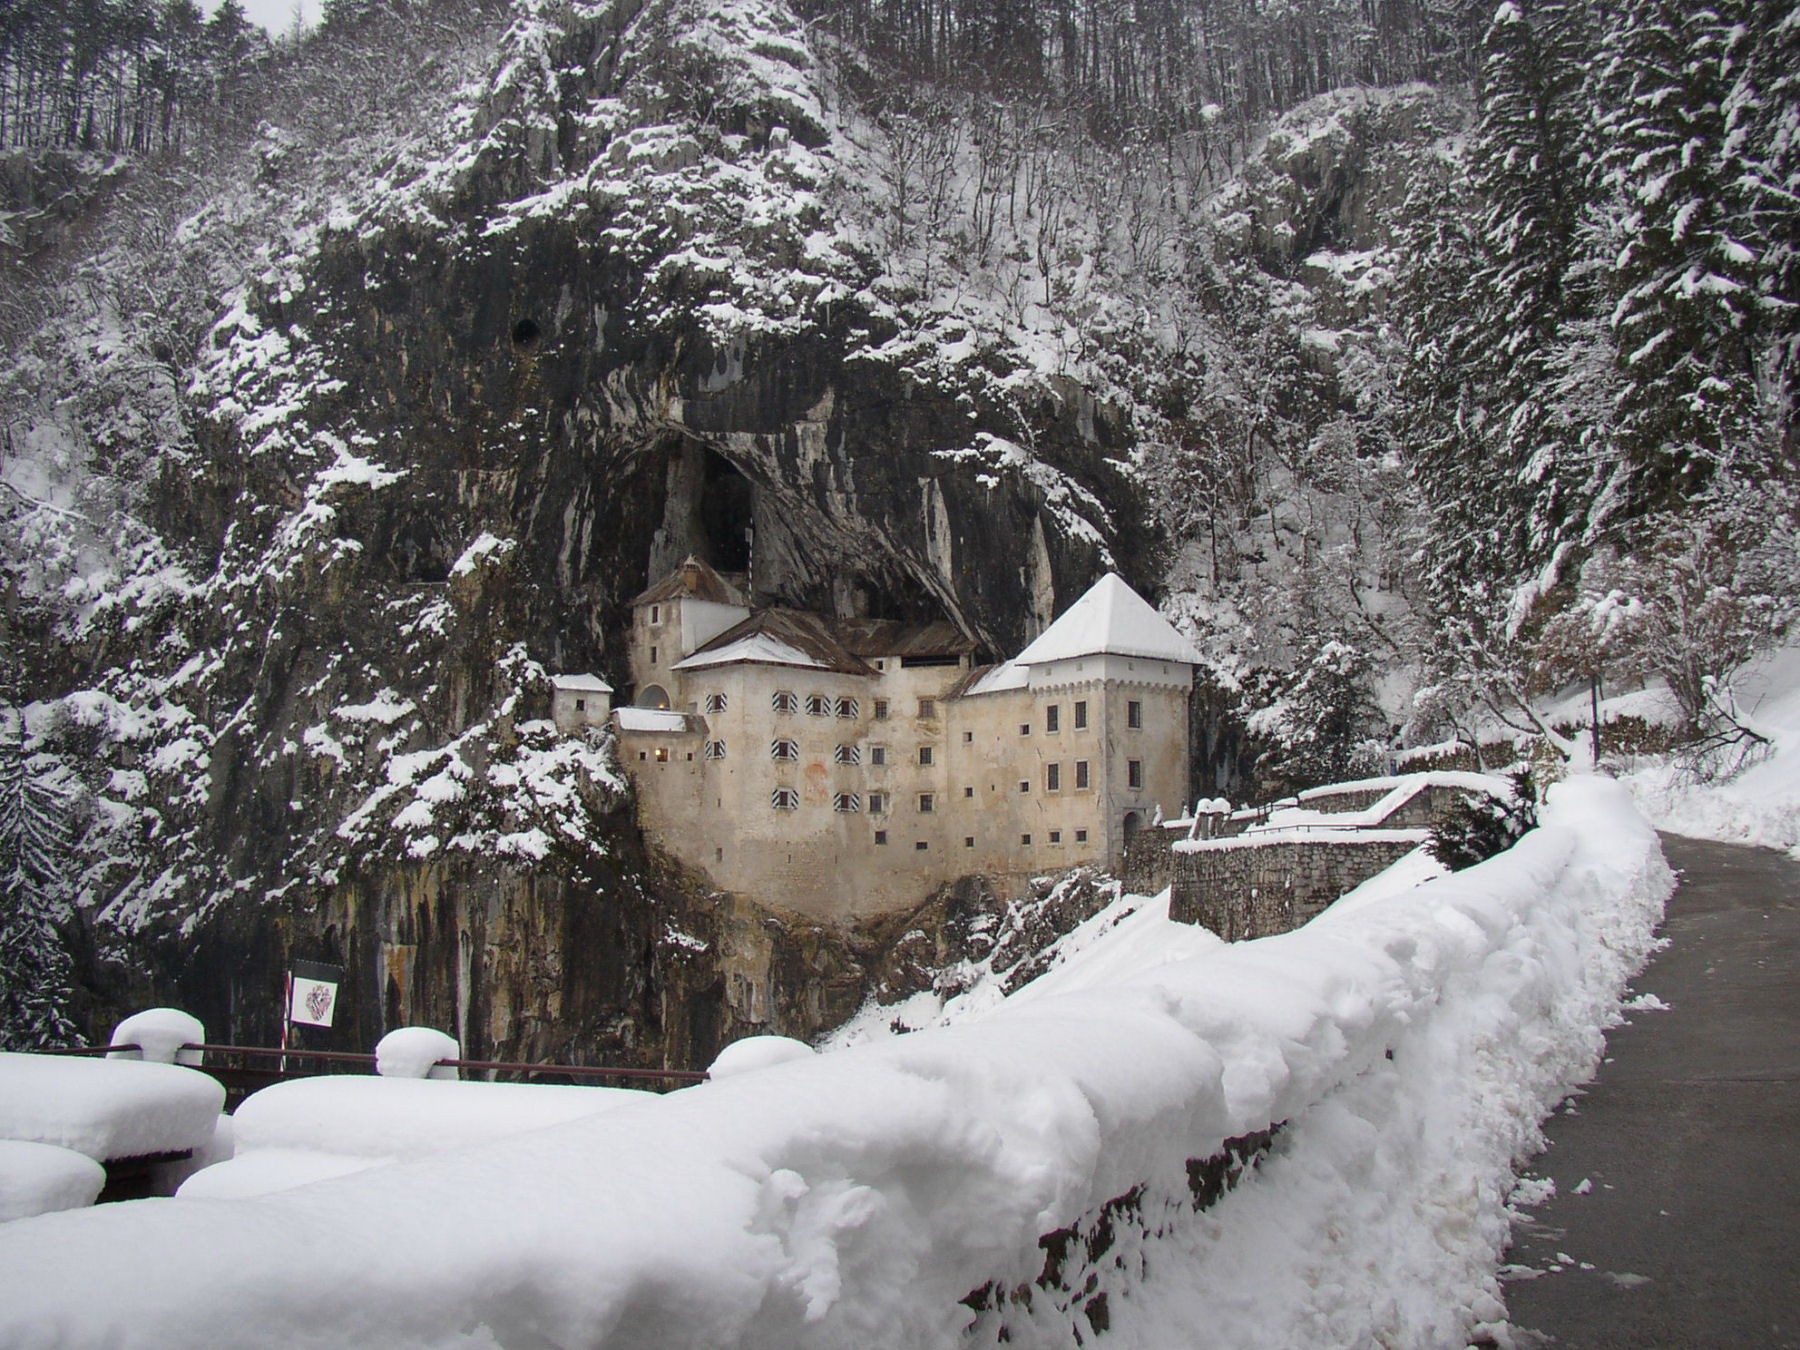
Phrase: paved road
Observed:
(1688, 1234)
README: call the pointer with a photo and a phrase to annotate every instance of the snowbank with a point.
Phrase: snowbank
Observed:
(1760, 805)
(1410, 1044)
(309, 1129)
(106, 1108)
(41, 1179)
(160, 1034)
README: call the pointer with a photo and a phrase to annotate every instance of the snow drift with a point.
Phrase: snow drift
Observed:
(1408, 1045)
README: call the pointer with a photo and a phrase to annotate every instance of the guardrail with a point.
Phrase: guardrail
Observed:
(249, 1076)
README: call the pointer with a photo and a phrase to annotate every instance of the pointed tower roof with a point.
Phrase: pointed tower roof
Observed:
(1110, 619)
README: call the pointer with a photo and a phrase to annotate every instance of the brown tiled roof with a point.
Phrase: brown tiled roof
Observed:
(886, 637)
(692, 580)
(806, 632)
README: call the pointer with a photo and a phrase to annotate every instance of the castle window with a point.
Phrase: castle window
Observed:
(1081, 836)
(968, 841)
(784, 799)
(1081, 776)
(878, 755)
(580, 705)
(877, 803)
(1081, 714)
(848, 707)
(817, 705)
(925, 754)
(643, 755)
(1053, 778)
(1134, 714)
(653, 656)
(1024, 841)
(1053, 718)
(921, 846)
(1134, 773)
(881, 836)
(662, 754)
(785, 701)
(656, 614)
(1056, 836)
(968, 792)
(846, 801)
(968, 738)
(715, 703)
(927, 803)
(881, 709)
(848, 754)
(783, 749)
(928, 707)
(1024, 728)
(715, 749)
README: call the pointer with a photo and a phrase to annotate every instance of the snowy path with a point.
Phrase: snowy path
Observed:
(1688, 1232)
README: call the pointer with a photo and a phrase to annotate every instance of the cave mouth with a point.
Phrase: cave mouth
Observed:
(525, 333)
(727, 513)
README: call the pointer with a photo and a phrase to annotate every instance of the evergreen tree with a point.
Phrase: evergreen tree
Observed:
(1685, 319)
(36, 974)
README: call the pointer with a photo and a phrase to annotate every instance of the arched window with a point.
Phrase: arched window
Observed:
(653, 696)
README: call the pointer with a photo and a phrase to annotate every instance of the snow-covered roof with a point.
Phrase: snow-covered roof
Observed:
(106, 1108)
(1110, 619)
(581, 684)
(995, 679)
(653, 719)
(761, 648)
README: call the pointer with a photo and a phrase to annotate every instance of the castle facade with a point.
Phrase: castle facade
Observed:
(842, 767)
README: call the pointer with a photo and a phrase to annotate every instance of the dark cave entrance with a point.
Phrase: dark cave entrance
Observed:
(726, 514)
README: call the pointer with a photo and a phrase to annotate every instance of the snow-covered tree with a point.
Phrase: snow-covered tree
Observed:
(36, 974)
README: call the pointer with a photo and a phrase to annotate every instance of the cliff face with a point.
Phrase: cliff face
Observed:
(430, 442)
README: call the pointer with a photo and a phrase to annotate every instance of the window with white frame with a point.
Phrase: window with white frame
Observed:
(785, 701)
(927, 803)
(818, 705)
(784, 799)
(928, 707)
(846, 801)
(715, 749)
(877, 803)
(1134, 773)
(1052, 778)
(782, 748)
(925, 754)
(715, 703)
(1082, 783)
(849, 707)
(848, 754)
(1134, 714)
(878, 755)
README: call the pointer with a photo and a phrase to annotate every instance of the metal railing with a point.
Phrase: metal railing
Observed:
(367, 1062)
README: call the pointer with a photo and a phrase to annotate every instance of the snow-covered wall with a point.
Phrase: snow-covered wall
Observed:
(1409, 1045)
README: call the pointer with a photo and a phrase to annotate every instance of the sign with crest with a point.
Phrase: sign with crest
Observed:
(312, 993)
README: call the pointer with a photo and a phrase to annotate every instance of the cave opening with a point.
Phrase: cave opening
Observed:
(727, 514)
(525, 333)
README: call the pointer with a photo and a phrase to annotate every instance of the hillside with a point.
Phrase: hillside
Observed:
(328, 445)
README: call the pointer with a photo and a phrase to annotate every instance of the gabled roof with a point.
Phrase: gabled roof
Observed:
(1111, 619)
(693, 580)
(889, 637)
(581, 684)
(779, 637)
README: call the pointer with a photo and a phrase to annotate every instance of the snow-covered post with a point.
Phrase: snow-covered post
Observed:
(416, 1052)
(161, 1032)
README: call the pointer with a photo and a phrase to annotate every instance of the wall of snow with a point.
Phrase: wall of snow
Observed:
(1408, 1043)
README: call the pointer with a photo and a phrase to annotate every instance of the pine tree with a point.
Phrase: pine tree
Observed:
(36, 974)
(1685, 319)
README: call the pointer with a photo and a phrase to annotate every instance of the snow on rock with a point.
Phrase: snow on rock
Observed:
(160, 1033)
(1409, 1046)
(414, 1052)
(42, 1178)
(758, 1052)
(106, 1108)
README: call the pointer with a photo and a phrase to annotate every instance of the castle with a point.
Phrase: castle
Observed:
(845, 767)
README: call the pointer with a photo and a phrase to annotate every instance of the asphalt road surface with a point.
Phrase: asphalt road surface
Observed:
(1676, 1219)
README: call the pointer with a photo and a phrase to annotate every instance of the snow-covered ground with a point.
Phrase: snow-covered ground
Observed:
(1760, 804)
(1407, 1044)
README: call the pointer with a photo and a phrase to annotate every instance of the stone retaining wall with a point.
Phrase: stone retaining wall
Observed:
(1257, 889)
